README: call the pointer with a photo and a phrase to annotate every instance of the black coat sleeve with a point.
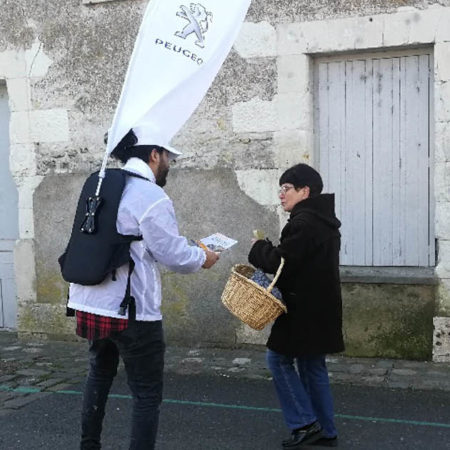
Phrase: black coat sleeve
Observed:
(265, 256)
(294, 248)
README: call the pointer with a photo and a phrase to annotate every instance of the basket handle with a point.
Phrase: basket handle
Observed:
(277, 275)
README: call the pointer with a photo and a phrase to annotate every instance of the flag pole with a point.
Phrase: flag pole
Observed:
(101, 175)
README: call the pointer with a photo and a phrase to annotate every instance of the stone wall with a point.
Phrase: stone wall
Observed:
(64, 63)
(389, 320)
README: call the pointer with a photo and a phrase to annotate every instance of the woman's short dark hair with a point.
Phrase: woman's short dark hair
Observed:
(302, 175)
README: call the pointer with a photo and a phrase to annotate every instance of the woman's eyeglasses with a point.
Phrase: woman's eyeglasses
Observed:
(285, 188)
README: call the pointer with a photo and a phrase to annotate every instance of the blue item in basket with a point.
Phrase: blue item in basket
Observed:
(259, 277)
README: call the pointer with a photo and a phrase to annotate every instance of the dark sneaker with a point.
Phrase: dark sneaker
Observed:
(303, 436)
(326, 442)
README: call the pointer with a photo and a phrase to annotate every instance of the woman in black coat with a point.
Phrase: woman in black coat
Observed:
(310, 287)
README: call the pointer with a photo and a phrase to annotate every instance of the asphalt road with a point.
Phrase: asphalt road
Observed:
(211, 412)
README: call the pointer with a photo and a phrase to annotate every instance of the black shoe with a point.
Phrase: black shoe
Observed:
(326, 442)
(303, 436)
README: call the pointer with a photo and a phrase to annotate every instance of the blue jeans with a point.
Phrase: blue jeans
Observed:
(141, 347)
(303, 390)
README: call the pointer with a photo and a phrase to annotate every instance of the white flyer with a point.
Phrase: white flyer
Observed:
(218, 242)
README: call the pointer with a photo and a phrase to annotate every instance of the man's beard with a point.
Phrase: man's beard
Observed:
(161, 176)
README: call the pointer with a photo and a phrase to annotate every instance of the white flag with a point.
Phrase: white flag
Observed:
(178, 52)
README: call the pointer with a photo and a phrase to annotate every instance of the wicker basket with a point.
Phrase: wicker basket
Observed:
(250, 302)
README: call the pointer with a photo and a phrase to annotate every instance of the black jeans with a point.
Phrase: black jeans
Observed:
(141, 347)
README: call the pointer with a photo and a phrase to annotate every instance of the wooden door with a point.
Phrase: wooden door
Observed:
(372, 126)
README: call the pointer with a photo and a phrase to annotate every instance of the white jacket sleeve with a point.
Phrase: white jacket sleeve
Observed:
(160, 233)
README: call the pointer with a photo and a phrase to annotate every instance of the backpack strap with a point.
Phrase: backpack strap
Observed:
(69, 311)
(128, 300)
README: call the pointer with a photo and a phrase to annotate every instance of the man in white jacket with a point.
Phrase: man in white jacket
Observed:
(145, 210)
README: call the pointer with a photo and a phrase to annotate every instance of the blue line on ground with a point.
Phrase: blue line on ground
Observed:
(31, 390)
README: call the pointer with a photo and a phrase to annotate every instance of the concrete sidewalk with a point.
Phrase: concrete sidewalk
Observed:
(29, 370)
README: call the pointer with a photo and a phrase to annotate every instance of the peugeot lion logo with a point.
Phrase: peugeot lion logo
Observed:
(198, 19)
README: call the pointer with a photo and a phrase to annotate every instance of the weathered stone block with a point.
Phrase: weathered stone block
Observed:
(343, 34)
(406, 27)
(397, 30)
(292, 147)
(26, 223)
(27, 187)
(45, 319)
(256, 40)
(330, 35)
(442, 182)
(442, 61)
(443, 266)
(291, 39)
(442, 229)
(19, 94)
(411, 27)
(441, 339)
(443, 30)
(442, 102)
(425, 25)
(25, 270)
(20, 128)
(394, 321)
(22, 161)
(368, 32)
(294, 111)
(294, 74)
(442, 141)
(443, 297)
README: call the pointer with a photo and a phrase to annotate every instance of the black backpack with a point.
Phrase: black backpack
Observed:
(95, 249)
